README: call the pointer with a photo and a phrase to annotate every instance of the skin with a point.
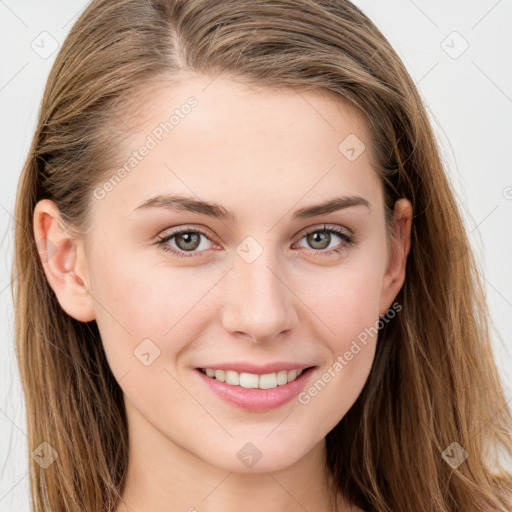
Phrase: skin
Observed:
(262, 154)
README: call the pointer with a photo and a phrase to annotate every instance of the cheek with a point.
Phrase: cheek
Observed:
(345, 298)
(348, 305)
(141, 307)
(351, 303)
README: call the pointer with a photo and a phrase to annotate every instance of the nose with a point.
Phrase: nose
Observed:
(259, 304)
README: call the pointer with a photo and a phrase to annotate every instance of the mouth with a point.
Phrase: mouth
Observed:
(253, 380)
(255, 392)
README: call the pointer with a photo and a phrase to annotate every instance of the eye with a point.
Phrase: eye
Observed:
(186, 240)
(323, 241)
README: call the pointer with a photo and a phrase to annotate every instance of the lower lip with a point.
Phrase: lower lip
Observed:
(255, 399)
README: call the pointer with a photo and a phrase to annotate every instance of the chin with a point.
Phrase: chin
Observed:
(257, 456)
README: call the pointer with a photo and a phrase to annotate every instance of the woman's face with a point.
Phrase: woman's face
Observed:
(257, 283)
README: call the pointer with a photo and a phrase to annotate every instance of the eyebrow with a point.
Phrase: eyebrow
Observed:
(215, 210)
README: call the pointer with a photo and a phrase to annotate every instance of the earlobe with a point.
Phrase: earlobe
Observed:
(63, 260)
(394, 276)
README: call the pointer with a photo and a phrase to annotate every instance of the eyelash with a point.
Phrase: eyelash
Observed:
(163, 239)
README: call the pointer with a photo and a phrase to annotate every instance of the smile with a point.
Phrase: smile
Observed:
(255, 392)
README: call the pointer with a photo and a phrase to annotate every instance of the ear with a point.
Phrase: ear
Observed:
(394, 276)
(63, 260)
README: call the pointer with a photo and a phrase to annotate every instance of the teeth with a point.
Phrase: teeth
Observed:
(220, 375)
(282, 377)
(251, 380)
(232, 378)
(268, 381)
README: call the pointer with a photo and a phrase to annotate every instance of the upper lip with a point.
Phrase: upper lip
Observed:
(262, 369)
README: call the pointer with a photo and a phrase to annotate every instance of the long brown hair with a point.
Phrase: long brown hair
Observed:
(434, 381)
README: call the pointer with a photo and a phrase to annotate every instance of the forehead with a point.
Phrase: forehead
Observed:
(245, 111)
(218, 137)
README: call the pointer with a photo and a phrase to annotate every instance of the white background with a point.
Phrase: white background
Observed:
(469, 99)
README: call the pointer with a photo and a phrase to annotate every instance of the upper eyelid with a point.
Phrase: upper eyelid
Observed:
(324, 227)
(185, 229)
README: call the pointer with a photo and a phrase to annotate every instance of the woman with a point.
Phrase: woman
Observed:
(236, 277)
